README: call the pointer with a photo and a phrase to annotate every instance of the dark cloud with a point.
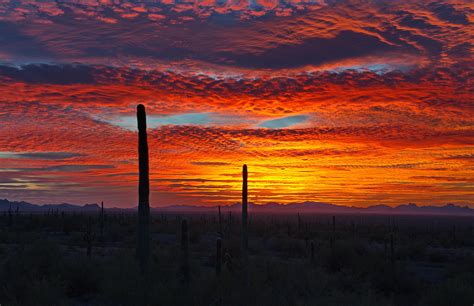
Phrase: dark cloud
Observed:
(49, 74)
(414, 21)
(314, 51)
(68, 168)
(448, 12)
(444, 178)
(209, 163)
(197, 37)
(466, 157)
(44, 155)
(15, 43)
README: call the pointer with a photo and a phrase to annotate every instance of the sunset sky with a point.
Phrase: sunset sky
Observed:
(346, 102)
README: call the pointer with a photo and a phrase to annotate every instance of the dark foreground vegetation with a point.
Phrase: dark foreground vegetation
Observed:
(90, 259)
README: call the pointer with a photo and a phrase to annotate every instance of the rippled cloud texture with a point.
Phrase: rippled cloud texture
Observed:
(348, 102)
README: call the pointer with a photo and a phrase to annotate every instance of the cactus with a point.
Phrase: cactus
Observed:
(333, 234)
(332, 241)
(244, 215)
(454, 235)
(299, 224)
(218, 256)
(102, 219)
(244, 237)
(65, 224)
(334, 225)
(220, 222)
(184, 251)
(89, 237)
(392, 249)
(353, 228)
(229, 223)
(143, 240)
(10, 217)
(228, 261)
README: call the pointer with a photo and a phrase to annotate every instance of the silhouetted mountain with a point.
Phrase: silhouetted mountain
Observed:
(271, 207)
(321, 207)
(5, 205)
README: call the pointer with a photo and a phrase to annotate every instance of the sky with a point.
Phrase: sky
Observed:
(340, 101)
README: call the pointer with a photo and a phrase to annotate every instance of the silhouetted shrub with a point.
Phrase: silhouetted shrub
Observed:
(82, 278)
(452, 292)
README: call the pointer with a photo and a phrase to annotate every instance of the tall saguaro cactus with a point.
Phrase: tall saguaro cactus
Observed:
(392, 248)
(245, 240)
(218, 256)
(143, 243)
(184, 252)
(102, 219)
(221, 233)
(89, 237)
(10, 218)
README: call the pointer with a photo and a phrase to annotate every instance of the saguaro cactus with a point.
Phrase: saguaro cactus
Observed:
(89, 237)
(454, 235)
(299, 224)
(10, 217)
(221, 233)
(244, 214)
(102, 219)
(184, 251)
(334, 225)
(143, 240)
(229, 223)
(392, 249)
(332, 242)
(333, 233)
(245, 240)
(218, 256)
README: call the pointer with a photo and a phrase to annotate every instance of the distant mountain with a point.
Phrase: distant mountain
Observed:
(272, 207)
(5, 205)
(321, 207)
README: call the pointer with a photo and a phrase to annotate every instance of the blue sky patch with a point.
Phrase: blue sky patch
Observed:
(284, 122)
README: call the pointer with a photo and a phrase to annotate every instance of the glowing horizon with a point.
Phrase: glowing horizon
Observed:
(341, 102)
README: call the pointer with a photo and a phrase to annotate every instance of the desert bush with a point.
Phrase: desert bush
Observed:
(82, 277)
(27, 271)
(452, 292)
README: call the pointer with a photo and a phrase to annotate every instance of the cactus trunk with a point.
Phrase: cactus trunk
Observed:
(10, 218)
(89, 237)
(184, 252)
(218, 256)
(299, 224)
(220, 222)
(102, 217)
(143, 243)
(392, 249)
(334, 225)
(333, 234)
(244, 224)
(244, 214)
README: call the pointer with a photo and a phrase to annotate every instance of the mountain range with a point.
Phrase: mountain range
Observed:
(301, 207)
